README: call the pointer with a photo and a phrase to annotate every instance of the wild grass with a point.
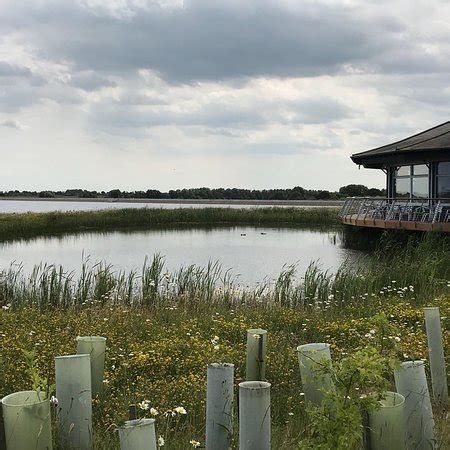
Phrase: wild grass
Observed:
(160, 327)
(161, 354)
(14, 226)
(417, 270)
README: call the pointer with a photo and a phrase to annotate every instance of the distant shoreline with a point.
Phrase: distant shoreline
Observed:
(329, 203)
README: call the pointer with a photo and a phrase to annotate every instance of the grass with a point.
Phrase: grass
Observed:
(160, 329)
(161, 356)
(14, 226)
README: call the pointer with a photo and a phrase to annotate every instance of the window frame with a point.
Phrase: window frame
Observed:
(411, 176)
(440, 176)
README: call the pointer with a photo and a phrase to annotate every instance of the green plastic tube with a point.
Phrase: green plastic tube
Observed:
(95, 346)
(254, 415)
(411, 382)
(436, 356)
(219, 406)
(27, 421)
(311, 358)
(138, 434)
(256, 355)
(387, 424)
(73, 391)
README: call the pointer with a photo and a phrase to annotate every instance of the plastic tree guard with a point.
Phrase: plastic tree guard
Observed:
(138, 434)
(254, 415)
(73, 391)
(314, 381)
(95, 346)
(256, 355)
(387, 424)
(219, 406)
(27, 421)
(411, 382)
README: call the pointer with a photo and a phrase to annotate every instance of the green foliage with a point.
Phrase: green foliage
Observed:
(39, 384)
(360, 381)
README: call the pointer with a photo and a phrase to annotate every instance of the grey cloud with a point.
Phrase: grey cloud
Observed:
(214, 40)
(91, 81)
(11, 70)
(222, 116)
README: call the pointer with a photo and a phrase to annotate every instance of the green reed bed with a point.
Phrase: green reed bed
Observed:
(35, 224)
(417, 270)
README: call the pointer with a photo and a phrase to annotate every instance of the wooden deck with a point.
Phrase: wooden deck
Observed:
(355, 220)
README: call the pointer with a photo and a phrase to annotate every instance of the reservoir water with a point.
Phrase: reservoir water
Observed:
(252, 253)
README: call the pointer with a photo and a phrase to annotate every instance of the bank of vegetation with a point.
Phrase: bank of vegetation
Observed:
(164, 328)
(204, 193)
(14, 226)
(417, 270)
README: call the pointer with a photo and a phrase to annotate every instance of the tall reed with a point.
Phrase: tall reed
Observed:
(418, 271)
(15, 226)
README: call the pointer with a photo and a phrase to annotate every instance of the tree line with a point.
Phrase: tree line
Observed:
(204, 193)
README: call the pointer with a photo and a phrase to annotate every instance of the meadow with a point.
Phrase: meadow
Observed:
(163, 329)
(13, 226)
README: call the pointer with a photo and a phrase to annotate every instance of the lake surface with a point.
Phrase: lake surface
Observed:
(253, 253)
(22, 206)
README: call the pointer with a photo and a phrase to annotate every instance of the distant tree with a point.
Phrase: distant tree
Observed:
(115, 193)
(374, 192)
(46, 194)
(354, 190)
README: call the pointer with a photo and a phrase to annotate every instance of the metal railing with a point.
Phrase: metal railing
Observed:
(431, 210)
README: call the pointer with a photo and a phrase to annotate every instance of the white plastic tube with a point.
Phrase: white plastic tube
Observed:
(219, 406)
(73, 391)
(311, 358)
(138, 434)
(387, 424)
(411, 382)
(95, 346)
(436, 356)
(27, 421)
(254, 415)
(256, 355)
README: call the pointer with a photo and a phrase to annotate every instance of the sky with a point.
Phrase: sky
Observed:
(141, 94)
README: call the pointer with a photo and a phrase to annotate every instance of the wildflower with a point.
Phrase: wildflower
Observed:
(216, 347)
(397, 338)
(161, 441)
(194, 443)
(180, 410)
(144, 405)
(290, 414)
(154, 411)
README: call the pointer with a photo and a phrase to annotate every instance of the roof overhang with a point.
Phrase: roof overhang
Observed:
(401, 158)
(427, 146)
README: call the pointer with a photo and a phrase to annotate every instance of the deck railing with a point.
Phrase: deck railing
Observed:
(431, 210)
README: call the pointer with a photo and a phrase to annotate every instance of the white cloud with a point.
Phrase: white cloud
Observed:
(181, 93)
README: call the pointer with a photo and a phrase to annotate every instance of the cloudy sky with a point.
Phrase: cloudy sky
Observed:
(165, 94)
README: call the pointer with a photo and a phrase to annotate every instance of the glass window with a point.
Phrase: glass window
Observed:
(444, 168)
(403, 171)
(403, 187)
(443, 187)
(420, 187)
(420, 169)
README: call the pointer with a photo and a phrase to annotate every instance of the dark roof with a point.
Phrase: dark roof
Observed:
(427, 143)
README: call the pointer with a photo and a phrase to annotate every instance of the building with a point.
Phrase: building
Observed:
(417, 184)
